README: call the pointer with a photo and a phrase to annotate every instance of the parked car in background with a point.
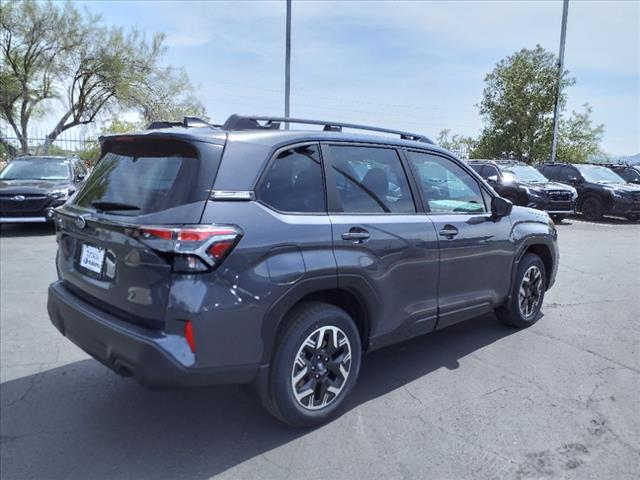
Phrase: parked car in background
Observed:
(629, 173)
(525, 186)
(31, 187)
(600, 190)
(200, 255)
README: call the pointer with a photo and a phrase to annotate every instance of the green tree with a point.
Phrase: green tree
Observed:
(578, 139)
(456, 143)
(517, 105)
(56, 53)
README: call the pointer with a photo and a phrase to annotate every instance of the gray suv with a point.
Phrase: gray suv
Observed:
(245, 253)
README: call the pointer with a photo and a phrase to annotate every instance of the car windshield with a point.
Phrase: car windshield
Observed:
(36, 169)
(526, 174)
(598, 174)
(508, 177)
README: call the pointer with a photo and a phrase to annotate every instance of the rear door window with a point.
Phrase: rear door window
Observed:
(370, 180)
(143, 177)
(294, 181)
(553, 173)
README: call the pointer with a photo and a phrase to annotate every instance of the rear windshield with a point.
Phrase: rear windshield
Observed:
(142, 177)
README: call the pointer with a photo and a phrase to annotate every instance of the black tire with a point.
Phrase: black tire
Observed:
(592, 208)
(314, 322)
(513, 313)
(633, 217)
(558, 218)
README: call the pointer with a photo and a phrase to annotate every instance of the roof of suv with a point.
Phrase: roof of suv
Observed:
(249, 129)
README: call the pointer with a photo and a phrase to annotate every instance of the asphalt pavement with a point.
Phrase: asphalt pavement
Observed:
(474, 401)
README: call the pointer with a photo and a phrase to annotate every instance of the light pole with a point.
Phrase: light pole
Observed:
(287, 67)
(556, 109)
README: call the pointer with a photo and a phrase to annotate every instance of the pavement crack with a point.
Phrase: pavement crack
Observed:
(585, 349)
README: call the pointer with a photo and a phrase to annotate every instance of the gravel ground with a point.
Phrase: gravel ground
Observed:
(477, 400)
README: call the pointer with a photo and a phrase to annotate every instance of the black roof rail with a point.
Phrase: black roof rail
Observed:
(187, 122)
(238, 122)
(163, 124)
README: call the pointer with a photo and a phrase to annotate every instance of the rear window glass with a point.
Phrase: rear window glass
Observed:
(294, 183)
(141, 178)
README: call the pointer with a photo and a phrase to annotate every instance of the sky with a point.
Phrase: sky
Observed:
(415, 65)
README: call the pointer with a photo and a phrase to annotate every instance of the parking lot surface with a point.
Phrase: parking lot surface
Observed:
(477, 400)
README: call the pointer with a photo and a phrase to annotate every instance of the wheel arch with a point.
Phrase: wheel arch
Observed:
(353, 300)
(544, 253)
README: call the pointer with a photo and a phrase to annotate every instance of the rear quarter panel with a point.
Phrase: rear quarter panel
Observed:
(277, 252)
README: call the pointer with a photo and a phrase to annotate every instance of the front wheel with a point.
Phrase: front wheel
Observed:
(315, 366)
(527, 294)
(592, 208)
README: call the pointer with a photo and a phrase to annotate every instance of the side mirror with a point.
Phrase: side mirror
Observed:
(80, 177)
(573, 179)
(500, 207)
(492, 179)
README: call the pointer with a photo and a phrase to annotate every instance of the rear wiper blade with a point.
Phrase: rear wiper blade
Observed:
(106, 206)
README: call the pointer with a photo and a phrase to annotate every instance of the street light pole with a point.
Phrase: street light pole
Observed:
(287, 67)
(556, 109)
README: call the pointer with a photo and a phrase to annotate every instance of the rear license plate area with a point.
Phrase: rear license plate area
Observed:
(92, 260)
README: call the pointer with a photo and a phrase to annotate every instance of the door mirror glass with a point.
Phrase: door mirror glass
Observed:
(500, 207)
(492, 179)
(80, 177)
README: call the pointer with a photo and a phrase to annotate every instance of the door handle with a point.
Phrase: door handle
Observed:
(448, 231)
(356, 235)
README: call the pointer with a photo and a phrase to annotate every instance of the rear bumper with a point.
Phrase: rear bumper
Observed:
(155, 359)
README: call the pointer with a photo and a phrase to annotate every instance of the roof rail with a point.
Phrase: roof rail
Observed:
(237, 122)
(187, 122)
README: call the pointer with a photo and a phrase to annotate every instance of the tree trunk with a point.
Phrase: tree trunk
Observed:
(57, 130)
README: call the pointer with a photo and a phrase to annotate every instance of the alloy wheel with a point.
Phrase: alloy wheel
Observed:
(530, 292)
(321, 368)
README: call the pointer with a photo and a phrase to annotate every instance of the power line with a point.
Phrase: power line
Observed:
(273, 101)
(336, 99)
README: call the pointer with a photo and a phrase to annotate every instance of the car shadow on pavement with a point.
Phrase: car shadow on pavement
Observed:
(82, 421)
(26, 229)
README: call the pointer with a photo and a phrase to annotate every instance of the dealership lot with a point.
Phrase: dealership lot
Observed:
(477, 400)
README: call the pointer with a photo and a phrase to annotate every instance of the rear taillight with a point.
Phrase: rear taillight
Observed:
(188, 335)
(193, 248)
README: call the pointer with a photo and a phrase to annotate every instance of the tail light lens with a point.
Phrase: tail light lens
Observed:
(188, 334)
(193, 248)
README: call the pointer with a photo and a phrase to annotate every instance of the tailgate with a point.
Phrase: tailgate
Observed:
(139, 181)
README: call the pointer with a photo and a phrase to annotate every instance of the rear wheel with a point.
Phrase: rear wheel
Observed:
(592, 208)
(527, 294)
(558, 218)
(315, 366)
(633, 217)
